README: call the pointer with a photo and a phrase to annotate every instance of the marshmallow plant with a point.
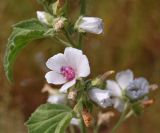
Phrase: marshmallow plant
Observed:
(78, 99)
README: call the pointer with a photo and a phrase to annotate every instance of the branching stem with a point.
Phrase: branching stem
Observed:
(121, 119)
(63, 42)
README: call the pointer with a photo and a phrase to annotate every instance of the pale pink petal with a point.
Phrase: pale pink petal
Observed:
(55, 78)
(101, 97)
(113, 88)
(83, 67)
(124, 78)
(56, 62)
(67, 85)
(118, 104)
(73, 57)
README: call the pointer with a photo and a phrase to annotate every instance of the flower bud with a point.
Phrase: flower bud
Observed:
(45, 18)
(58, 7)
(104, 118)
(87, 117)
(59, 23)
(106, 75)
(153, 87)
(100, 79)
(148, 103)
(89, 24)
(72, 95)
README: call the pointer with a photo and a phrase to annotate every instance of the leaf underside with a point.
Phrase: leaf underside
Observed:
(49, 118)
(23, 33)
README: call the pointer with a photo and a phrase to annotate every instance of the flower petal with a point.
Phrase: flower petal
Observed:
(67, 85)
(141, 83)
(118, 104)
(56, 62)
(84, 68)
(55, 78)
(101, 97)
(124, 78)
(73, 57)
(137, 89)
(113, 88)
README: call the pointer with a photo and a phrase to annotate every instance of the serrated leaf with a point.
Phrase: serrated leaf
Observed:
(23, 33)
(50, 118)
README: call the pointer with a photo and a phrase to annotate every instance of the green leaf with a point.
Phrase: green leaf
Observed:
(50, 118)
(23, 33)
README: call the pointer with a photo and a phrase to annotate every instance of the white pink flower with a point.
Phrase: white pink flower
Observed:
(67, 68)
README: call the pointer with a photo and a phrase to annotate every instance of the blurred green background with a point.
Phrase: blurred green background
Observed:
(131, 40)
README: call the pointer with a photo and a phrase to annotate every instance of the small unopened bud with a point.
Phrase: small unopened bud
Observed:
(72, 95)
(96, 82)
(100, 79)
(153, 87)
(59, 25)
(148, 103)
(87, 118)
(45, 18)
(89, 24)
(104, 118)
(106, 75)
(58, 7)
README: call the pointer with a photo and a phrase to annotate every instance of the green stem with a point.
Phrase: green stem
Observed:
(80, 37)
(68, 37)
(83, 7)
(71, 128)
(121, 119)
(83, 127)
(96, 129)
(82, 12)
(63, 42)
(66, 8)
(128, 115)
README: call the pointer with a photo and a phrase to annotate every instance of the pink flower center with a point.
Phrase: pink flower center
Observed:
(68, 72)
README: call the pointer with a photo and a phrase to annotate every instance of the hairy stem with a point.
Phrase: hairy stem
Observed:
(63, 42)
(82, 12)
(96, 129)
(83, 7)
(71, 128)
(83, 127)
(128, 115)
(68, 37)
(121, 119)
